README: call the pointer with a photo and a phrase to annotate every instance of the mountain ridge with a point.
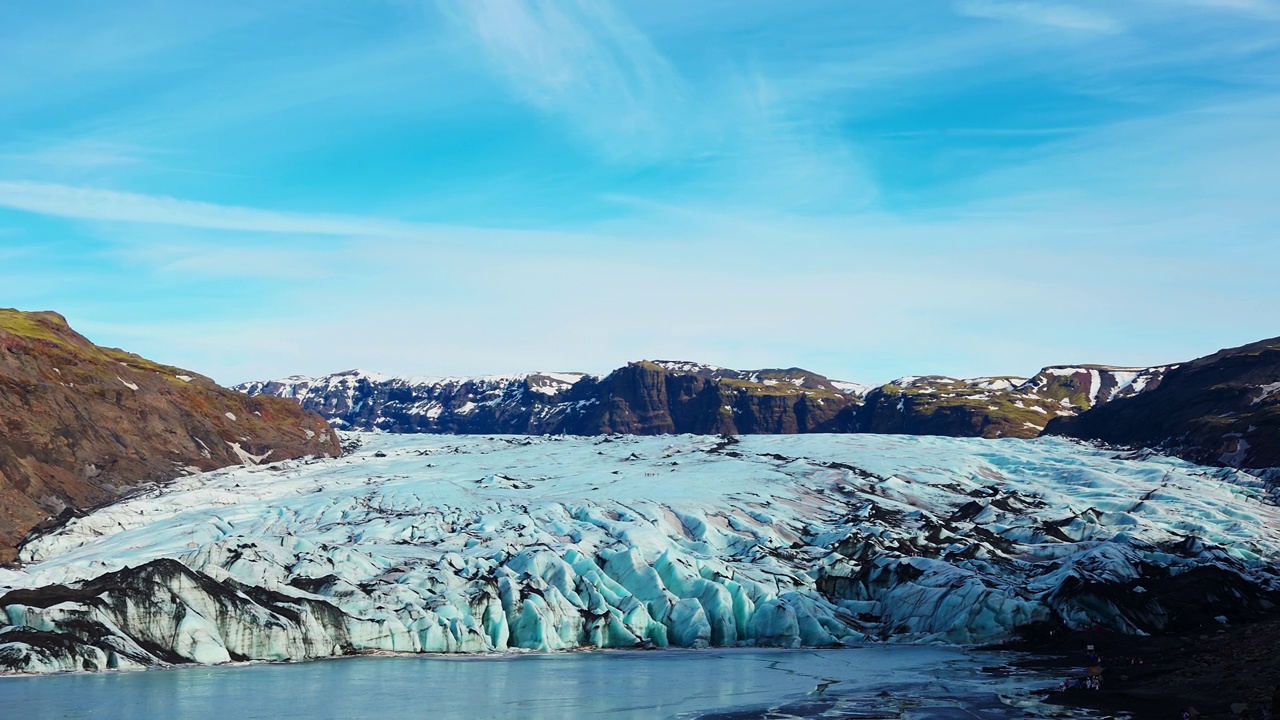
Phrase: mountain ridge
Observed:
(673, 396)
(1220, 409)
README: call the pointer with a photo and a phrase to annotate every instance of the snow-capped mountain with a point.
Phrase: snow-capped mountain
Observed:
(373, 401)
(645, 397)
(668, 396)
(422, 543)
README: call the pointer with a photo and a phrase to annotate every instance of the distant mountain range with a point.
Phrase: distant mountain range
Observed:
(1223, 409)
(643, 398)
(653, 397)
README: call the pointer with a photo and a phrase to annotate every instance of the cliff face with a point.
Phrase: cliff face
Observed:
(80, 424)
(1223, 409)
(647, 398)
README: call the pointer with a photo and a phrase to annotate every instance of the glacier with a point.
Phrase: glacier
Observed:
(450, 544)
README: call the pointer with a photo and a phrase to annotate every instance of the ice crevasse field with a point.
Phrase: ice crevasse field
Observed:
(447, 544)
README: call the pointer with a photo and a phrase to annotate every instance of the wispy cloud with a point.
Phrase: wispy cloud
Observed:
(77, 154)
(1066, 17)
(1261, 8)
(93, 204)
(584, 61)
(760, 166)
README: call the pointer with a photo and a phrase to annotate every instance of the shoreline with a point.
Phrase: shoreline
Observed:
(1208, 668)
(1218, 670)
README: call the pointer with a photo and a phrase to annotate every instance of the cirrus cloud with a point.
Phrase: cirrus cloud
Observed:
(1065, 17)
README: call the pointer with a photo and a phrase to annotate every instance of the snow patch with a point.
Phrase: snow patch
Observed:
(246, 458)
(851, 388)
(1266, 391)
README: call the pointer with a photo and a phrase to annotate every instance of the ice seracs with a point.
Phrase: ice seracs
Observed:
(425, 543)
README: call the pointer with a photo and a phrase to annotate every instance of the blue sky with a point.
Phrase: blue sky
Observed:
(867, 189)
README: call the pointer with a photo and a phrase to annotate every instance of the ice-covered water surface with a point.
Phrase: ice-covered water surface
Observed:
(475, 544)
(921, 683)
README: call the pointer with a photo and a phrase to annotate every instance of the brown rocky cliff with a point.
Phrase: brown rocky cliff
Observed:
(80, 425)
(637, 401)
(645, 398)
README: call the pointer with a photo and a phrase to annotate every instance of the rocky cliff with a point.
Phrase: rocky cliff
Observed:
(1223, 409)
(84, 424)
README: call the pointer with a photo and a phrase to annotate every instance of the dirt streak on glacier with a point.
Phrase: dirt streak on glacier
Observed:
(425, 543)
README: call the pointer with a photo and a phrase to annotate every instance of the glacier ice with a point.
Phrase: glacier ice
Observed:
(426, 543)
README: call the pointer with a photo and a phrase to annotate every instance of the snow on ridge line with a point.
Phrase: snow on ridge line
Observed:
(469, 544)
(851, 388)
(347, 377)
(686, 366)
(1133, 378)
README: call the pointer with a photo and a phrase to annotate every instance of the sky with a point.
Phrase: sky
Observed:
(863, 188)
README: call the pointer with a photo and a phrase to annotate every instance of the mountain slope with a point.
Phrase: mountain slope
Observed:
(1223, 409)
(82, 424)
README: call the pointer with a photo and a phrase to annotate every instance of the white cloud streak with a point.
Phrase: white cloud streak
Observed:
(1261, 8)
(1064, 17)
(109, 205)
(583, 60)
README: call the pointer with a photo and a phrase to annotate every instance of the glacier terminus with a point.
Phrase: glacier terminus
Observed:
(447, 544)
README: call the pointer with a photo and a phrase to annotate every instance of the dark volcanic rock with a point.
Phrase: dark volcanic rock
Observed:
(1223, 409)
(161, 613)
(80, 424)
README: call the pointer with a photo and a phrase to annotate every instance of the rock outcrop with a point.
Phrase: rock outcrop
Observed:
(81, 425)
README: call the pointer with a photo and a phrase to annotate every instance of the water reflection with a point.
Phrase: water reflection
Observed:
(922, 683)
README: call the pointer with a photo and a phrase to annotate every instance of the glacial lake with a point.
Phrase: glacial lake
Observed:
(868, 682)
